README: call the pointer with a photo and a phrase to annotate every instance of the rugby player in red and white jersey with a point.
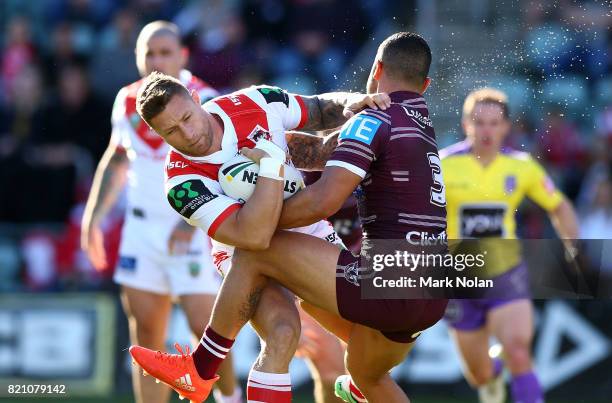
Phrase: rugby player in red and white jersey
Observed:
(160, 256)
(202, 140)
(390, 158)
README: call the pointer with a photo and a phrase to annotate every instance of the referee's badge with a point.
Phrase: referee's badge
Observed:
(510, 184)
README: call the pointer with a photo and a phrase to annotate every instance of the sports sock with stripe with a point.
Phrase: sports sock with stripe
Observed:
(266, 387)
(210, 353)
(356, 393)
(235, 397)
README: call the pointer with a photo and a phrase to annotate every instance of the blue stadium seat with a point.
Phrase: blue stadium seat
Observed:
(520, 92)
(603, 92)
(569, 92)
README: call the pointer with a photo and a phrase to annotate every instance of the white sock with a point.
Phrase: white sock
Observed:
(264, 387)
(235, 397)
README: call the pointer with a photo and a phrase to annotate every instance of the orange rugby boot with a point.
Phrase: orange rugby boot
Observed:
(175, 370)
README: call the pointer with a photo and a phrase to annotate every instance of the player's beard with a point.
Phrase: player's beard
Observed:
(202, 145)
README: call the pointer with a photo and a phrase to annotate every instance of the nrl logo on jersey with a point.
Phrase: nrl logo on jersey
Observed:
(259, 133)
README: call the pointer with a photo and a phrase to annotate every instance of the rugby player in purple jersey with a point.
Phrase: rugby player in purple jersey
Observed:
(390, 159)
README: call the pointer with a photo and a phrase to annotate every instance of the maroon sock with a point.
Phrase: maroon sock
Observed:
(210, 353)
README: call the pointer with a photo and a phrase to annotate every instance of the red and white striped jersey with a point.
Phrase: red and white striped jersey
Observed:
(248, 115)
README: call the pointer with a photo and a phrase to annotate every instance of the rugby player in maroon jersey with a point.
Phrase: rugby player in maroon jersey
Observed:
(391, 159)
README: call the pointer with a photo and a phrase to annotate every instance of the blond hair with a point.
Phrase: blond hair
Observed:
(486, 95)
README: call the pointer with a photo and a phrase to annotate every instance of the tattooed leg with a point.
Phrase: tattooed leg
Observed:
(250, 305)
(238, 298)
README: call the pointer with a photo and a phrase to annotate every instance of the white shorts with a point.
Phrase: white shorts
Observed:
(145, 264)
(322, 229)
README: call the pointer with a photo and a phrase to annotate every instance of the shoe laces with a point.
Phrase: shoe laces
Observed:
(172, 358)
(180, 350)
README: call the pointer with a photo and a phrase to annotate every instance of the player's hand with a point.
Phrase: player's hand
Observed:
(253, 153)
(264, 149)
(92, 243)
(379, 100)
(180, 238)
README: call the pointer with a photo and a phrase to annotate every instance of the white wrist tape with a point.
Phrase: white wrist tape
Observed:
(272, 149)
(270, 168)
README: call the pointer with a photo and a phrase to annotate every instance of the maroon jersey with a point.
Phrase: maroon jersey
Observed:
(345, 221)
(402, 193)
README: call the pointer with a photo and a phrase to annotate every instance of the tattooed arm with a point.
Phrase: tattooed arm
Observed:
(331, 110)
(309, 152)
(108, 182)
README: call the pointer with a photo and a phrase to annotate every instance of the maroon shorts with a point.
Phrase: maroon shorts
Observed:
(399, 320)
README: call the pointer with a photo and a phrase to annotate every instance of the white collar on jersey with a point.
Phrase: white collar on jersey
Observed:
(229, 143)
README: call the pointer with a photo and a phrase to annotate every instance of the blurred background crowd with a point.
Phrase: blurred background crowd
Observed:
(63, 61)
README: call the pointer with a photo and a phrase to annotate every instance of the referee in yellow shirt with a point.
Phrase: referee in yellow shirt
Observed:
(485, 183)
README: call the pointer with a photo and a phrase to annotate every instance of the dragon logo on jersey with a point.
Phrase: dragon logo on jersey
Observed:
(187, 197)
(274, 94)
(259, 133)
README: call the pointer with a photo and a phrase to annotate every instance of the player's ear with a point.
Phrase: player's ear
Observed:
(464, 125)
(378, 70)
(507, 127)
(425, 85)
(184, 56)
(196, 97)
